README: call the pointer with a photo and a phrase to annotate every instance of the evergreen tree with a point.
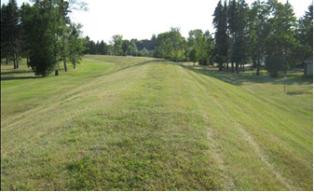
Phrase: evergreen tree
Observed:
(40, 27)
(221, 36)
(233, 28)
(4, 33)
(259, 31)
(238, 29)
(305, 34)
(10, 33)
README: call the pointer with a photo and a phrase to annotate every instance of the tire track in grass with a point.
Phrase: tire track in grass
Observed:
(258, 151)
(263, 157)
(290, 133)
(83, 94)
(65, 115)
(56, 101)
(213, 145)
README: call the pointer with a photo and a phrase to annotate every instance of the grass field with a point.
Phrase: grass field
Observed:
(146, 124)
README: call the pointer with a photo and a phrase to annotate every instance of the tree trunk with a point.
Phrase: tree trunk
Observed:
(65, 64)
(17, 61)
(237, 67)
(27, 61)
(74, 64)
(56, 72)
(232, 67)
(14, 63)
(257, 67)
(220, 67)
(227, 66)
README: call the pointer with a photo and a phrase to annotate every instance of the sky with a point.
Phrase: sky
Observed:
(142, 18)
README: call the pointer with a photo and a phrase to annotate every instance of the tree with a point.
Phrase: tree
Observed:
(40, 27)
(233, 28)
(117, 44)
(63, 30)
(170, 45)
(221, 36)
(259, 31)
(4, 33)
(132, 49)
(200, 46)
(305, 34)
(281, 42)
(196, 43)
(238, 29)
(10, 33)
(125, 47)
(76, 44)
(207, 54)
(91, 47)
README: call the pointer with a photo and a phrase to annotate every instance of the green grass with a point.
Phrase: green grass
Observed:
(132, 123)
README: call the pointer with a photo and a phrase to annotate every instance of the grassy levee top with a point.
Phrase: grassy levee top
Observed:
(130, 123)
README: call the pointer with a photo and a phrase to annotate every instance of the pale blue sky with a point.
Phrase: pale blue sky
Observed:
(142, 18)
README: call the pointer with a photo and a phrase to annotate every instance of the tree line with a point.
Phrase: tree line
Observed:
(169, 45)
(121, 47)
(42, 33)
(266, 34)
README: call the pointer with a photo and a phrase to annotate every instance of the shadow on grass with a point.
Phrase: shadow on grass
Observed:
(7, 78)
(298, 92)
(15, 72)
(248, 76)
(17, 75)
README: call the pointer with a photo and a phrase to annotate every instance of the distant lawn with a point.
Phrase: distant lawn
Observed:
(131, 123)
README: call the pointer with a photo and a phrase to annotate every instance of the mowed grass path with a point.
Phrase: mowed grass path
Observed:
(146, 124)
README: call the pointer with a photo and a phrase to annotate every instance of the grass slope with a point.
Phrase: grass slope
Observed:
(146, 124)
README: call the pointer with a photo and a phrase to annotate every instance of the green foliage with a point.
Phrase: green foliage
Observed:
(171, 45)
(305, 35)
(221, 36)
(239, 35)
(132, 48)
(10, 33)
(40, 32)
(40, 23)
(117, 41)
(76, 44)
(275, 64)
(259, 29)
(196, 43)
(281, 41)
(200, 47)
